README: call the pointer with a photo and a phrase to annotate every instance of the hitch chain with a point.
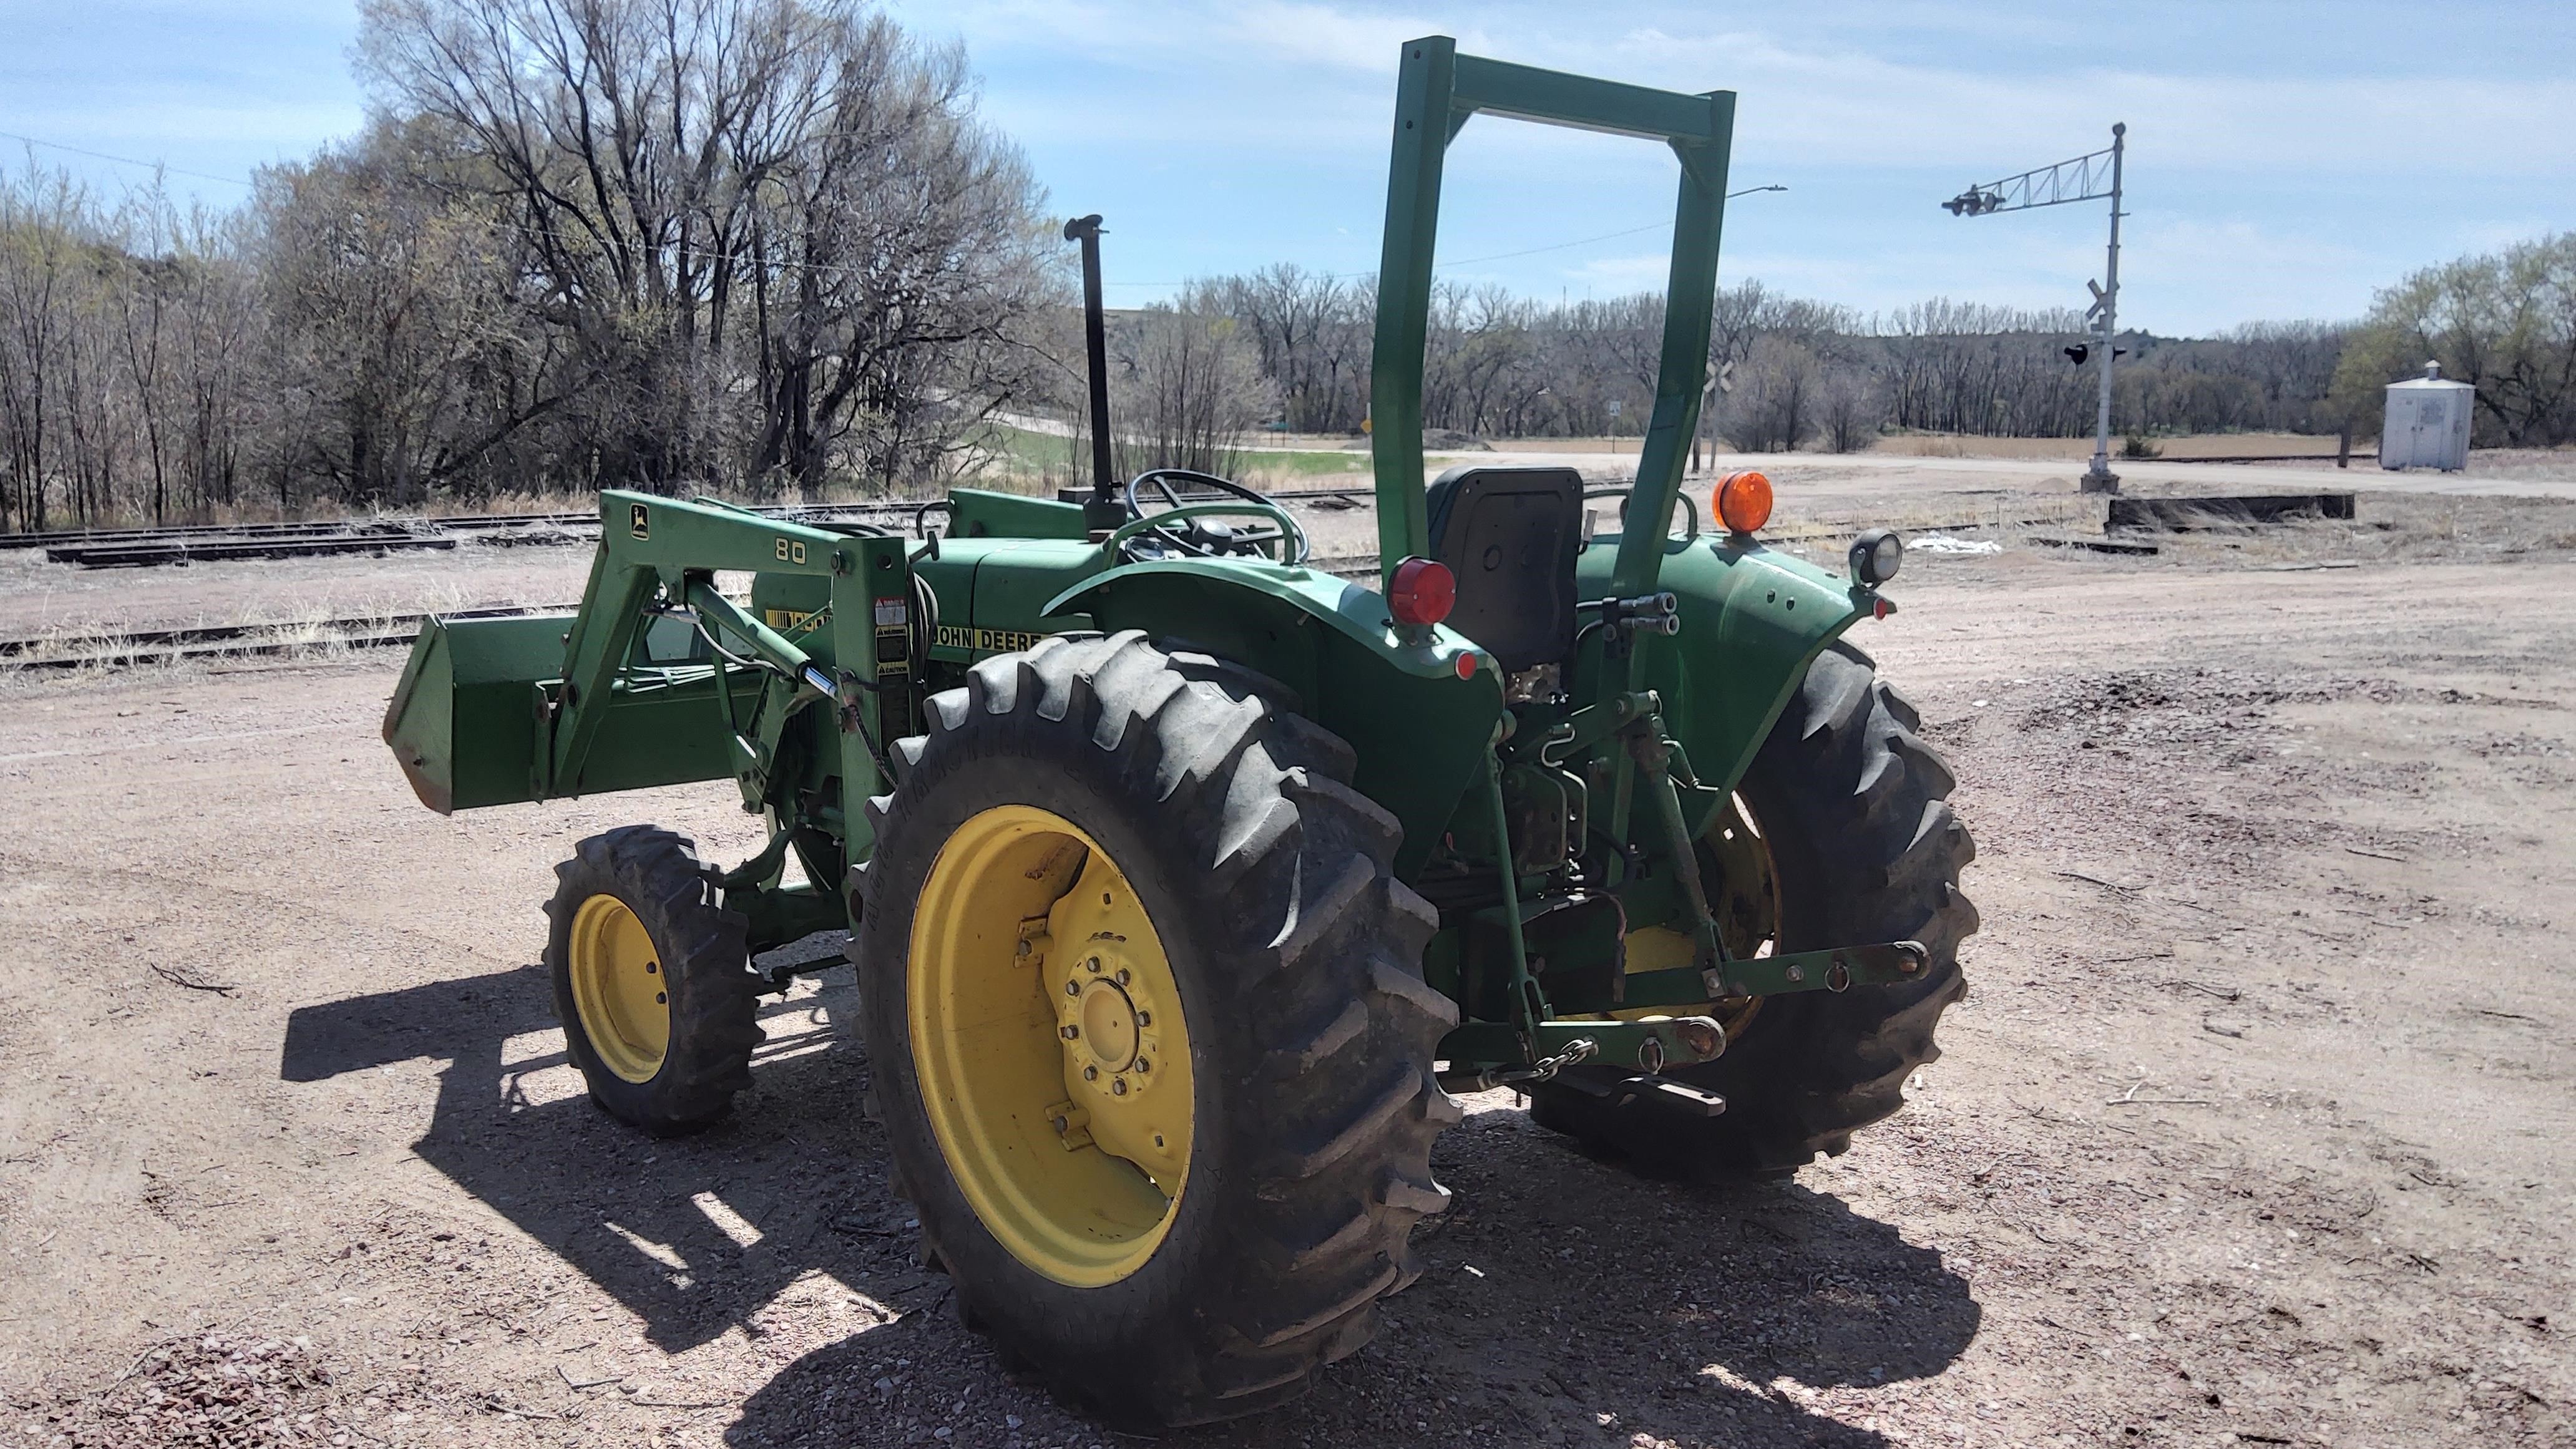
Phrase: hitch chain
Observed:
(1545, 1069)
(1577, 1051)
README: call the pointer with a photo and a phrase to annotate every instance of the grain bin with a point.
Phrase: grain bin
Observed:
(2427, 424)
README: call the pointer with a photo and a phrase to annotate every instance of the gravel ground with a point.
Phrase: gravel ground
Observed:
(2254, 1127)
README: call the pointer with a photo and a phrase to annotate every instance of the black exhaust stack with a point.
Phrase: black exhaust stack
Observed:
(1102, 511)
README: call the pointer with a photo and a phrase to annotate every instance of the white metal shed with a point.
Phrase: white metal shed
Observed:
(2427, 423)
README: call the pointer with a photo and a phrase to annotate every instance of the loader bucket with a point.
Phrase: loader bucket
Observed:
(463, 721)
(468, 717)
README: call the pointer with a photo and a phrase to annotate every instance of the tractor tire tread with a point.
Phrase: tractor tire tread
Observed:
(705, 958)
(1845, 769)
(1295, 1248)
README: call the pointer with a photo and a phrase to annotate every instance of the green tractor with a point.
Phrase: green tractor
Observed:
(1185, 880)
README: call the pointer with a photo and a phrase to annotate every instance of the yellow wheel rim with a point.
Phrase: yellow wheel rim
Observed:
(619, 989)
(1049, 1037)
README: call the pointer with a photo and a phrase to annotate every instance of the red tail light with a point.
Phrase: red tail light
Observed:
(1422, 592)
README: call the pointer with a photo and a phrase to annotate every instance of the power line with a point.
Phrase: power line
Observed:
(127, 160)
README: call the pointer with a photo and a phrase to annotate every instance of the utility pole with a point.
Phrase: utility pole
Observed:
(2099, 478)
(2089, 177)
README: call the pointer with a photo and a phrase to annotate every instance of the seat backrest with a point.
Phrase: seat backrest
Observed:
(1510, 536)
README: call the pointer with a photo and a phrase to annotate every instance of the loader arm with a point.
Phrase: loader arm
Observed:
(663, 554)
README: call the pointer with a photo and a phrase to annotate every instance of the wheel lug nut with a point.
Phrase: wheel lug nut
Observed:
(1118, 1088)
(1143, 1065)
(1091, 1074)
(1122, 975)
(1073, 988)
(1071, 1032)
(1144, 1018)
(1094, 965)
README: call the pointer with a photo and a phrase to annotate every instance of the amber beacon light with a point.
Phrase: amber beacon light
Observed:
(1744, 501)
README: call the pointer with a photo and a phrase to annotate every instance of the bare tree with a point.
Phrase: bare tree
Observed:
(1775, 404)
(672, 165)
(1849, 408)
(1185, 389)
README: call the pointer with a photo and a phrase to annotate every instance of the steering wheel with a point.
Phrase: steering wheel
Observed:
(1209, 539)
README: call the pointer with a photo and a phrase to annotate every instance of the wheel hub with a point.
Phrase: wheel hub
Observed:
(1108, 1014)
(1108, 1021)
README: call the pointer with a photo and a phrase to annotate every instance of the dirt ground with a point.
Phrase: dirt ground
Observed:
(2255, 1127)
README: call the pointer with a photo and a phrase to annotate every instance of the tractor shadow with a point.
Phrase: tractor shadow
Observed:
(1564, 1300)
(694, 1235)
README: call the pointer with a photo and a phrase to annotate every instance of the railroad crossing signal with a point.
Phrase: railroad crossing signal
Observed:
(2088, 177)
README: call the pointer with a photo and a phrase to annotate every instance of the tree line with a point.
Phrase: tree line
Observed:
(1789, 372)
(763, 247)
(746, 245)
(1792, 373)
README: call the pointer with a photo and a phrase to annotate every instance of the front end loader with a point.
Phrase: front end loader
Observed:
(1186, 881)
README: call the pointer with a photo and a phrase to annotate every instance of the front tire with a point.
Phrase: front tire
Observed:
(1096, 811)
(1854, 809)
(652, 980)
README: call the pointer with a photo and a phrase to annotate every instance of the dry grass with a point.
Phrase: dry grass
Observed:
(295, 628)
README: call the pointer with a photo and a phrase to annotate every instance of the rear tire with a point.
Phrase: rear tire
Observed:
(1854, 806)
(635, 918)
(1293, 955)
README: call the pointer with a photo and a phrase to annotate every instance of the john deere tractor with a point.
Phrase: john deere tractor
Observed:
(1185, 880)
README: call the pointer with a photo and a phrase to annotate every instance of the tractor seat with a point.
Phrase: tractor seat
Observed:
(1510, 536)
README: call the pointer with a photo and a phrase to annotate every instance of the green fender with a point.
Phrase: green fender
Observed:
(1421, 731)
(1752, 620)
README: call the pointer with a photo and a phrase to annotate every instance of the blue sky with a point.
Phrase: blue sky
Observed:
(2285, 159)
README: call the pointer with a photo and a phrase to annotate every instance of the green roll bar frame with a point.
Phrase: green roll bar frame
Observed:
(1437, 92)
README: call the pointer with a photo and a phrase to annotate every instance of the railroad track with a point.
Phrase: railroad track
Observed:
(269, 640)
(253, 640)
(208, 543)
(234, 641)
